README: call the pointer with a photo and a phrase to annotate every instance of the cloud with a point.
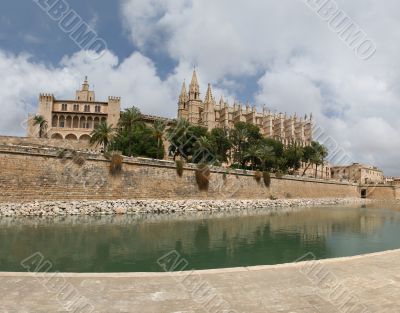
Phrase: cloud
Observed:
(134, 79)
(296, 62)
(299, 63)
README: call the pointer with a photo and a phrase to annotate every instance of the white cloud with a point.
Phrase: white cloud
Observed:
(304, 66)
(134, 79)
(298, 65)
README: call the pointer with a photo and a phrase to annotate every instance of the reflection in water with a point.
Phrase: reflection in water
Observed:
(134, 243)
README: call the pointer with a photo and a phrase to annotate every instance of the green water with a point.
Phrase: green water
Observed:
(134, 244)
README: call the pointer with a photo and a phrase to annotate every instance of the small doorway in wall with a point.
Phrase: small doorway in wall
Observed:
(363, 193)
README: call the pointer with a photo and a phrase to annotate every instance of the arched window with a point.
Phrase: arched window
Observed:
(64, 107)
(54, 122)
(89, 123)
(76, 107)
(75, 123)
(82, 122)
(84, 138)
(62, 122)
(56, 136)
(71, 137)
(96, 122)
(97, 109)
(68, 122)
(87, 108)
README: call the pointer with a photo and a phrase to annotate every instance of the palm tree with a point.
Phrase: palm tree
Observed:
(178, 135)
(322, 153)
(266, 154)
(308, 157)
(158, 132)
(129, 118)
(102, 134)
(203, 150)
(40, 121)
(239, 140)
(253, 153)
(294, 154)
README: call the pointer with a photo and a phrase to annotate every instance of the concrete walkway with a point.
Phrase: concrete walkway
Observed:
(369, 283)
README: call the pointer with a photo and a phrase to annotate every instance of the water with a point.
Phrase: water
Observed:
(133, 244)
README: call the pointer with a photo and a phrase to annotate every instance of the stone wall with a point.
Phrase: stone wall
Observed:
(37, 142)
(382, 192)
(38, 173)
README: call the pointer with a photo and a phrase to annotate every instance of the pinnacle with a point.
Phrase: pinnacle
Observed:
(194, 81)
(209, 97)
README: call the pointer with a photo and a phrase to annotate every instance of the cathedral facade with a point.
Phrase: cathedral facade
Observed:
(210, 114)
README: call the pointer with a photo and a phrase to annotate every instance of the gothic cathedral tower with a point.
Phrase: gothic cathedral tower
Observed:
(190, 105)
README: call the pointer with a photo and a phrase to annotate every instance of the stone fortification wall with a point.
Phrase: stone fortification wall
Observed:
(38, 173)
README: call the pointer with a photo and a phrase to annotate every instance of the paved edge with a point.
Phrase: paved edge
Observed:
(202, 272)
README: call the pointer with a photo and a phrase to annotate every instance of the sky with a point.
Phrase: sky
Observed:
(284, 54)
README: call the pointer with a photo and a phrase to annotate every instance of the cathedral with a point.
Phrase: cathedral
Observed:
(210, 114)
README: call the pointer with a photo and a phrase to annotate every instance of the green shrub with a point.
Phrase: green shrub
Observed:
(203, 176)
(179, 167)
(273, 197)
(116, 164)
(257, 176)
(279, 174)
(224, 176)
(267, 179)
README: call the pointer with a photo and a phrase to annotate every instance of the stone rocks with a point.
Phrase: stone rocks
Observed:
(120, 210)
(62, 208)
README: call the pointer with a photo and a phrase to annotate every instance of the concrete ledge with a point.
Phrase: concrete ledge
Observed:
(203, 272)
(367, 283)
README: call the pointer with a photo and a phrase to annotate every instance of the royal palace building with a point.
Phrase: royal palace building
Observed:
(75, 119)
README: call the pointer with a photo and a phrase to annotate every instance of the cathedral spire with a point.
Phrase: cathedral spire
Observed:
(183, 95)
(209, 97)
(194, 88)
(194, 83)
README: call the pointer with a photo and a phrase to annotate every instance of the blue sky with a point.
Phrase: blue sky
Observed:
(282, 54)
(39, 35)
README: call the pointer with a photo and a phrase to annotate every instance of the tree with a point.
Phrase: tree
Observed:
(267, 156)
(102, 134)
(221, 142)
(253, 154)
(321, 153)
(129, 118)
(183, 137)
(314, 154)
(239, 137)
(138, 141)
(293, 155)
(178, 136)
(40, 121)
(272, 154)
(158, 132)
(135, 138)
(203, 151)
(308, 157)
